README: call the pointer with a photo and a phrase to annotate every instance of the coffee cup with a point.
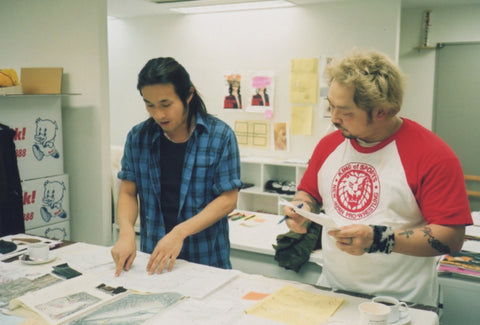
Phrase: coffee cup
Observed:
(373, 313)
(398, 309)
(38, 251)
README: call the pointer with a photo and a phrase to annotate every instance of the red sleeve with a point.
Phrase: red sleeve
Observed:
(442, 195)
(435, 176)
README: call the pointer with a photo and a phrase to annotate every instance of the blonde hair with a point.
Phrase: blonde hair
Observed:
(378, 81)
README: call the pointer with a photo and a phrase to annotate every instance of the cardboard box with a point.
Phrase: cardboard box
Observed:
(58, 231)
(45, 201)
(41, 80)
(37, 121)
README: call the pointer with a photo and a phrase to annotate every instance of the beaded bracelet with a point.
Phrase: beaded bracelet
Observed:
(383, 239)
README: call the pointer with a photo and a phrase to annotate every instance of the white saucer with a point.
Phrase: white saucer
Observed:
(26, 260)
(403, 320)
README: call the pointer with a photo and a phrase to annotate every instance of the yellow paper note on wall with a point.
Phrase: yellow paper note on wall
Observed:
(304, 80)
(302, 117)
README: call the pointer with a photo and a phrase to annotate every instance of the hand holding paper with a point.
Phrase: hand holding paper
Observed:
(321, 218)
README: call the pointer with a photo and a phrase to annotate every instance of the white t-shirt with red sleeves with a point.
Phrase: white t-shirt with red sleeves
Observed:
(408, 180)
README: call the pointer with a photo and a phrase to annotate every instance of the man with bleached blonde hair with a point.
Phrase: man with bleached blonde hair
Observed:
(394, 189)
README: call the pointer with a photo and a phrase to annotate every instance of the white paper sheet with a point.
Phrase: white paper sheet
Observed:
(189, 279)
(473, 231)
(476, 217)
(471, 246)
(321, 218)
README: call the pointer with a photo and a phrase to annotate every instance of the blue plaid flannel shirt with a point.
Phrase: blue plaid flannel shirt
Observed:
(211, 166)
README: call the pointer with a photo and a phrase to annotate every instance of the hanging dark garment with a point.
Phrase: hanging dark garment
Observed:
(11, 194)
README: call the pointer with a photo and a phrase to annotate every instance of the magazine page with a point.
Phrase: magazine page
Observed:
(67, 300)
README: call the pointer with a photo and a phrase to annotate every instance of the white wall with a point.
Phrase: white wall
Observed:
(71, 34)
(449, 24)
(209, 45)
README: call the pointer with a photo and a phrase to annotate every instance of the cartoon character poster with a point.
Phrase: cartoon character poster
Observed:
(261, 88)
(233, 96)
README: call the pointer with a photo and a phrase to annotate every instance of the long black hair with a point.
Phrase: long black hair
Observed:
(169, 71)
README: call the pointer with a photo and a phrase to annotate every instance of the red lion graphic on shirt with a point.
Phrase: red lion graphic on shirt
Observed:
(355, 191)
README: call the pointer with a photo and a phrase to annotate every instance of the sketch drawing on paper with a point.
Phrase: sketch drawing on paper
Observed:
(132, 309)
(62, 307)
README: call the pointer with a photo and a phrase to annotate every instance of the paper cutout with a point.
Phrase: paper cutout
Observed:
(268, 113)
(252, 295)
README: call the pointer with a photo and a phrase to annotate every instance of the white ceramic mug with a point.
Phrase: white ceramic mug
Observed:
(38, 251)
(373, 313)
(399, 309)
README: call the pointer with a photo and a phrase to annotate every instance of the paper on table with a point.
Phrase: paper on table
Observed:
(321, 218)
(473, 231)
(476, 217)
(294, 306)
(471, 246)
(65, 300)
(189, 279)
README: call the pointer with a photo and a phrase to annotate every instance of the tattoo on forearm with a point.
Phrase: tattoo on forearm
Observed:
(435, 243)
(406, 233)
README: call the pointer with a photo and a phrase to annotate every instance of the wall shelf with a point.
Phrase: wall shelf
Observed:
(258, 171)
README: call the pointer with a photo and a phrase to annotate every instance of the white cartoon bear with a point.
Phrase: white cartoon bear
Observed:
(52, 200)
(45, 134)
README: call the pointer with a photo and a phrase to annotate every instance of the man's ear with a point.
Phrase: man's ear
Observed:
(192, 91)
(380, 113)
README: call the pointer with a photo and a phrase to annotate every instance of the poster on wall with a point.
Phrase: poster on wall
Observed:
(233, 94)
(252, 134)
(261, 93)
(281, 136)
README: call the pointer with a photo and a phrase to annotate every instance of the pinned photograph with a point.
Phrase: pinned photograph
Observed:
(261, 92)
(233, 97)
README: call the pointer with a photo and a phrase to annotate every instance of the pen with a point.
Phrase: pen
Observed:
(248, 218)
(239, 217)
(285, 217)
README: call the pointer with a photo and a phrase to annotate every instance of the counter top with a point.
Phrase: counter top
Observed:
(259, 233)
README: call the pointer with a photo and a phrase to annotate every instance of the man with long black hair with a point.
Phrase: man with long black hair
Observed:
(183, 165)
